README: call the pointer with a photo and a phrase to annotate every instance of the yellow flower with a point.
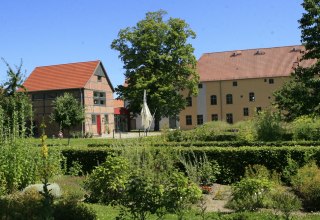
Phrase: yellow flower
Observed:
(44, 151)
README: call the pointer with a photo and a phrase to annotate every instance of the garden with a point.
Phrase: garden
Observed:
(258, 169)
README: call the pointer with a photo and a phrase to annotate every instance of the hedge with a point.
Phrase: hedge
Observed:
(88, 158)
(232, 160)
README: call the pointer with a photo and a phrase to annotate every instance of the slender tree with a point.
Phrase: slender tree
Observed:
(301, 95)
(157, 58)
(15, 79)
(67, 112)
(15, 106)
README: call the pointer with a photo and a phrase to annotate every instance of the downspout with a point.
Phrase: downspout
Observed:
(221, 100)
(82, 103)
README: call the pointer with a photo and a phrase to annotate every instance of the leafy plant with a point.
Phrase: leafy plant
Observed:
(199, 169)
(307, 185)
(249, 194)
(268, 126)
(284, 201)
(108, 181)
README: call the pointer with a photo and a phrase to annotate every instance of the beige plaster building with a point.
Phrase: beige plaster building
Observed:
(86, 81)
(234, 85)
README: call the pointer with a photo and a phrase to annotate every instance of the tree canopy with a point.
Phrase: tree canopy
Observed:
(67, 112)
(301, 94)
(157, 58)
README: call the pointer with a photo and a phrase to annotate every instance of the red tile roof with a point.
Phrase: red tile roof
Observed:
(252, 63)
(63, 76)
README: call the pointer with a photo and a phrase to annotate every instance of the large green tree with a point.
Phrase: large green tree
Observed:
(301, 95)
(157, 58)
(67, 112)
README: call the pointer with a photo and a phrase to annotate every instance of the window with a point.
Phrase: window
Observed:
(37, 96)
(200, 85)
(189, 101)
(99, 98)
(199, 119)
(229, 99)
(188, 120)
(258, 109)
(94, 119)
(251, 97)
(214, 117)
(234, 83)
(99, 78)
(230, 118)
(213, 100)
(106, 119)
(271, 81)
(245, 111)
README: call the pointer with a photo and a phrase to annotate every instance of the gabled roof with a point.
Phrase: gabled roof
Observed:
(62, 76)
(252, 63)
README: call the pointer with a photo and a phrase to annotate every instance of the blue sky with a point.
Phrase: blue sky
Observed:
(63, 31)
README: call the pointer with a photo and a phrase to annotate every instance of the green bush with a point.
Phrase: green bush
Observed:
(249, 194)
(142, 182)
(284, 201)
(199, 169)
(72, 210)
(107, 182)
(21, 165)
(307, 185)
(21, 206)
(306, 128)
(29, 205)
(268, 126)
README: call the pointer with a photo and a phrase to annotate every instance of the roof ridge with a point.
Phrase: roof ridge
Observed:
(226, 51)
(70, 63)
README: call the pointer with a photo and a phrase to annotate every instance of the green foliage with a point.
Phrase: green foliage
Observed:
(290, 170)
(249, 194)
(67, 111)
(306, 128)
(107, 182)
(29, 205)
(268, 126)
(284, 201)
(72, 210)
(300, 96)
(246, 131)
(75, 169)
(157, 58)
(14, 77)
(199, 169)
(307, 185)
(310, 28)
(142, 182)
(21, 206)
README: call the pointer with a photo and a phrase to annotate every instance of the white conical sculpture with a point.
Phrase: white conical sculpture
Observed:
(146, 117)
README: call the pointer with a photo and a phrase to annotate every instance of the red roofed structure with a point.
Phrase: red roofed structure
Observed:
(234, 85)
(86, 81)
